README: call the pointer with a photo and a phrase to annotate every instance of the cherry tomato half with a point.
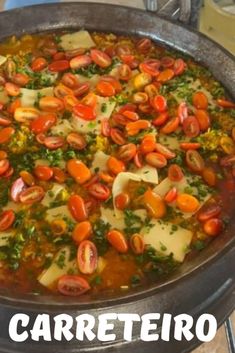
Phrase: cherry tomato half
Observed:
(43, 172)
(59, 66)
(31, 195)
(100, 58)
(84, 112)
(191, 126)
(209, 210)
(99, 191)
(87, 257)
(4, 165)
(175, 173)
(194, 161)
(6, 219)
(72, 285)
(43, 123)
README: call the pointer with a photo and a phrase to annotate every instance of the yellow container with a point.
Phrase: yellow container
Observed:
(217, 21)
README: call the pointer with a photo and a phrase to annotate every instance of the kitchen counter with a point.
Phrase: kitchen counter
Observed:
(219, 344)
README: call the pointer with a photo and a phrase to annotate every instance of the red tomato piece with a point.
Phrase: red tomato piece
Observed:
(200, 100)
(182, 112)
(209, 210)
(137, 244)
(80, 61)
(54, 142)
(138, 159)
(79, 171)
(105, 127)
(31, 195)
(170, 126)
(151, 67)
(194, 161)
(159, 103)
(203, 119)
(166, 152)
(156, 160)
(4, 121)
(39, 64)
(127, 152)
(76, 141)
(43, 123)
(171, 195)
(213, 227)
(59, 66)
(6, 133)
(100, 58)
(43, 172)
(225, 103)
(6, 219)
(118, 241)
(190, 145)
(122, 200)
(84, 112)
(117, 136)
(129, 106)
(105, 89)
(167, 62)
(77, 208)
(179, 66)
(175, 173)
(191, 127)
(144, 45)
(4, 165)
(72, 285)
(87, 257)
(41, 138)
(124, 72)
(99, 191)
(12, 89)
(161, 119)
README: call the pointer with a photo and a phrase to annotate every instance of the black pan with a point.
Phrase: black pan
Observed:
(207, 283)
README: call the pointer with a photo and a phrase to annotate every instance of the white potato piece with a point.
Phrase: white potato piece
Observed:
(3, 96)
(181, 187)
(41, 162)
(29, 96)
(108, 216)
(162, 238)
(148, 174)
(15, 206)
(3, 59)
(62, 128)
(170, 141)
(194, 85)
(93, 80)
(122, 179)
(100, 161)
(58, 212)
(5, 237)
(80, 39)
(49, 276)
(52, 194)
(102, 263)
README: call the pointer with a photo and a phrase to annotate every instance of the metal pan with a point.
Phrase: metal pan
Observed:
(207, 283)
